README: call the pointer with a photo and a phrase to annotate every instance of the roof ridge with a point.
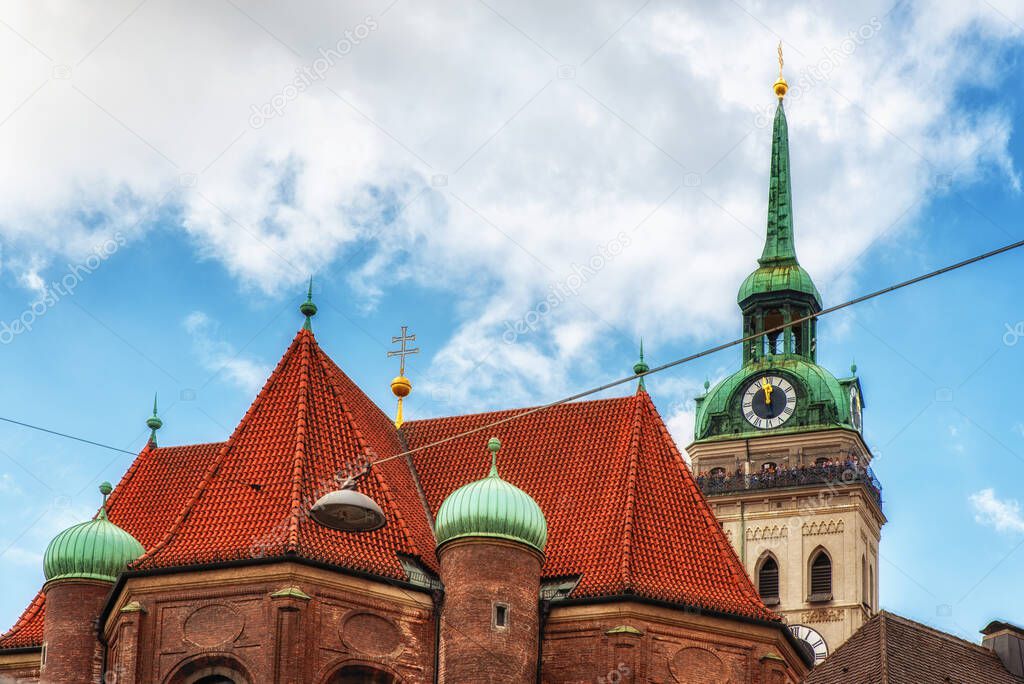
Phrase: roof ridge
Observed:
(914, 624)
(218, 460)
(302, 410)
(519, 409)
(717, 535)
(631, 479)
(392, 504)
(883, 659)
(129, 474)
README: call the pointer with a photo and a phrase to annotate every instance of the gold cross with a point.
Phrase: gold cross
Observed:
(780, 59)
(402, 352)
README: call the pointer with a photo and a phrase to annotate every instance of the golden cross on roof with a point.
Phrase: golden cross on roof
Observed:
(403, 351)
(400, 386)
(780, 59)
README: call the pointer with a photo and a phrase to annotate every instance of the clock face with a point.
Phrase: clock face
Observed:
(769, 401)
(856, 409)
(812, 642)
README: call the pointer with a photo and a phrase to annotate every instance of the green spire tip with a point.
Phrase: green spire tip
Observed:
(154, 423)
(641, 367)
(308, 308)
(494, 445)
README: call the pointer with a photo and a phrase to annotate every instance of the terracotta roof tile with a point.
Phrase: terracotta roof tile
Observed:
(27, 632)
(890, 649)
(308, 423)
(622, 508)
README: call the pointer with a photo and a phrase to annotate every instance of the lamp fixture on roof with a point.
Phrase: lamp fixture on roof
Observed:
(347, 510)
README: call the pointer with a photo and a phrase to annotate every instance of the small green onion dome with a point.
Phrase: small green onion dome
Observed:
(492, 507)
(96, 549)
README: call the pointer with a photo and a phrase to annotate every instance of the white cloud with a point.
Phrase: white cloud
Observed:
(505, 173)
(220, 357)
(1002, 514)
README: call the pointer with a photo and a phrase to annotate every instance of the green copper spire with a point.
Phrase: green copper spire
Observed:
(641, 367)
(491, 507)
(778, 266)
(779, 248)
(153, 423)
(308, 308)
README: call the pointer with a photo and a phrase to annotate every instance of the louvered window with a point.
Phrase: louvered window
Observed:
(768, 581)
(821, 578)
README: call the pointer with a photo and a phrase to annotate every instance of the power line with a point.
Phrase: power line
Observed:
(706, 352)
(64, 434)
(620, 381)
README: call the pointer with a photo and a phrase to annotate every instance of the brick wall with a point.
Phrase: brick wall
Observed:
(72, 647)
(480, 574)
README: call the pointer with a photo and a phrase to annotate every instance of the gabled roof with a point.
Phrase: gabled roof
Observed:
(308, 423)
(622, 508)
(889, 649)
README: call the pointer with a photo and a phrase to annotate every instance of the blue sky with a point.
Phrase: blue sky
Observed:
(451, 169)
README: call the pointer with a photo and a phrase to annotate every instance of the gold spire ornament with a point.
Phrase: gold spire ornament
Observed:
(401, 386)
(780, 86)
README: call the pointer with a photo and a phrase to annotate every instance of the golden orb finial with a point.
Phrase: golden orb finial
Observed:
(401, 386)
(780, 86)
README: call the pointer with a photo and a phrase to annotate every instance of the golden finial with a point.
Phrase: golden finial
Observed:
(780, 86)
(401, 386)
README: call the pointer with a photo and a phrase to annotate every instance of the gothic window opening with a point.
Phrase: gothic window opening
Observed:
(768, 581)
(821, 577)
(774, 339)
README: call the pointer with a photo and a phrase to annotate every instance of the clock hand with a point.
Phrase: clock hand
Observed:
(767, 390)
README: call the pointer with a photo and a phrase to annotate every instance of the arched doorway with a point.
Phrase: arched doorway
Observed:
(361, 674)
(210, 669)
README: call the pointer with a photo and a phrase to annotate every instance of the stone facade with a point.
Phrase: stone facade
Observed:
(792, 525)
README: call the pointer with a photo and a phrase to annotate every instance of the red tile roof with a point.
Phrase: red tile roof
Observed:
(27, 632)
(889, 649)
(308, 423)
(623, 510)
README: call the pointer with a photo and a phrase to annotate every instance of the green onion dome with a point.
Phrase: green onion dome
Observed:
(96, 549)
(777, 278)
(491, 507)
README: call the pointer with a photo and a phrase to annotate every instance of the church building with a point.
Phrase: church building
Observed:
(324, 542)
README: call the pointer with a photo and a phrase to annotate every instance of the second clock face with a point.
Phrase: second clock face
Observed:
(769, 401)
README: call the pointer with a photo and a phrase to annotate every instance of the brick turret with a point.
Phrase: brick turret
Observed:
(81, 565)
(491, 538)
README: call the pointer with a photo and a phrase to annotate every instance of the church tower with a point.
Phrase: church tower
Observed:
(778, 447)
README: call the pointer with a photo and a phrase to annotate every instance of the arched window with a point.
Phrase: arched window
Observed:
(821, 577)
(865, 583)
(768, 580)
(361, 674)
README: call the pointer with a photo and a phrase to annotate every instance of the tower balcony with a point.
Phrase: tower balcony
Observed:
(834, 476)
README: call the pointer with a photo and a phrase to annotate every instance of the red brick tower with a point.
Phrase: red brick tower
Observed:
(491, 538)
(81, 565)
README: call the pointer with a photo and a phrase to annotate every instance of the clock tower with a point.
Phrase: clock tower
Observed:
(778, 447)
